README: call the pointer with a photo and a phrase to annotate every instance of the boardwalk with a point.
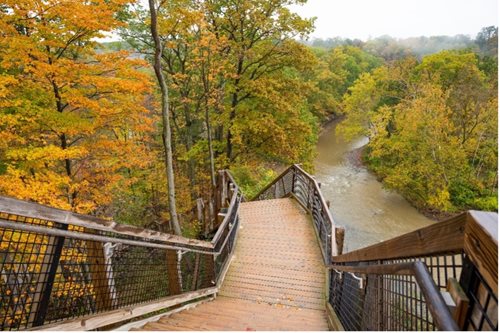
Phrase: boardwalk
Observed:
(276, 280)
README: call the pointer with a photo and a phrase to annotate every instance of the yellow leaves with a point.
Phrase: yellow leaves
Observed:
(6, 82)
(70, 120)
(47, 154)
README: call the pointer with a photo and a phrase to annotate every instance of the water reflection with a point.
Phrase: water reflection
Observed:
(369, 213)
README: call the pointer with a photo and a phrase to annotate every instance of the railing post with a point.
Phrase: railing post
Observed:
(210, 269)
(380, 300)
(46, 279)
(339, 239)
(174, 279)
(100, 278)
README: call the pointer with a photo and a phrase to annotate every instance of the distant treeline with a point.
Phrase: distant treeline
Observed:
(390, 48)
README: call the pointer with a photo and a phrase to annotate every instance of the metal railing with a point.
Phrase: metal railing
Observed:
(393, 297)
(396, 299)
(57, 267)
(295, 182)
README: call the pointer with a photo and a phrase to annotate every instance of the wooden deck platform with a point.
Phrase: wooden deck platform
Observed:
(276, 280)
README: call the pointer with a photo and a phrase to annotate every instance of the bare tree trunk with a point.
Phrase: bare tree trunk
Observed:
(210, 147)
(206, 87)
(167, 134)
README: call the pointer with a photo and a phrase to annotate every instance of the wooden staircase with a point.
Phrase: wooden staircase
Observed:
(276, 279)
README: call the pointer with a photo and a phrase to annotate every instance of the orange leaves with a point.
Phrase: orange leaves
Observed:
(71, 120)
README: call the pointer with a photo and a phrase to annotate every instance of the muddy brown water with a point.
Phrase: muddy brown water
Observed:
(358, 201)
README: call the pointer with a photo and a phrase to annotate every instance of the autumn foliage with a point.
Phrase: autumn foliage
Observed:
(72, 121)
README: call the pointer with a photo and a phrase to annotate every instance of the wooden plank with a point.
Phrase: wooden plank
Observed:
(278, 282)
(263, 289)
(140, 323)
(262, 315)
(103, 319)
(279, 272)
(270, 298)
(333, 320)
(481, 245)
(234, 308)
(442, 237)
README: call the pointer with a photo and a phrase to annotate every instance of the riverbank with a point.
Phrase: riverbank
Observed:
(356, 157)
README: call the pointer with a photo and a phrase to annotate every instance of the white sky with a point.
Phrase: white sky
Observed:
(399, 18)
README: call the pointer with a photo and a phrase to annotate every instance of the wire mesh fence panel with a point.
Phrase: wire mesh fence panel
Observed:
(441, 267)
(25, 261)
(225, 246)
(46, 278)
(396, 302)
(381, 302)
(482, 314)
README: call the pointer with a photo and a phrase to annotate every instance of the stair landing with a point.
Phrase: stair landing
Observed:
(276, 279)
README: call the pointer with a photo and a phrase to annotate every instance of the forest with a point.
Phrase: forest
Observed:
(136, 130)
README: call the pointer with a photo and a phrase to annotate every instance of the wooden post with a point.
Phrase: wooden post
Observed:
(173, 274)
(223, 188)
(461, 301)
(211, 213)
(217, 198)
(339, 239)
(481, 245)
(210, 270)
(100, 279)
(380, 302)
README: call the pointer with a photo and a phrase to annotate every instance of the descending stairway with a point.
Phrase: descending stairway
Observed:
(276, 280)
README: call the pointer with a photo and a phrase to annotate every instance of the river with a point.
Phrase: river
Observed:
(358, 201)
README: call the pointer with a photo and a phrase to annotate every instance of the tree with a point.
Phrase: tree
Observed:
(167, 136)
(259, 34)
(336, 71)
(211, 100)
(487, 40)
(432, 129)
(72, 121)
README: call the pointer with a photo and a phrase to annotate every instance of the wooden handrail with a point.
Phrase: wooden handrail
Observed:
(33, 210)
(481, 245)
(474, 232)
(443, 237)
(232, 205)
(6, 224)
(434, 300)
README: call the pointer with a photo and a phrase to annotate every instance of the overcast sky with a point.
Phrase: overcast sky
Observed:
(399, 18)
